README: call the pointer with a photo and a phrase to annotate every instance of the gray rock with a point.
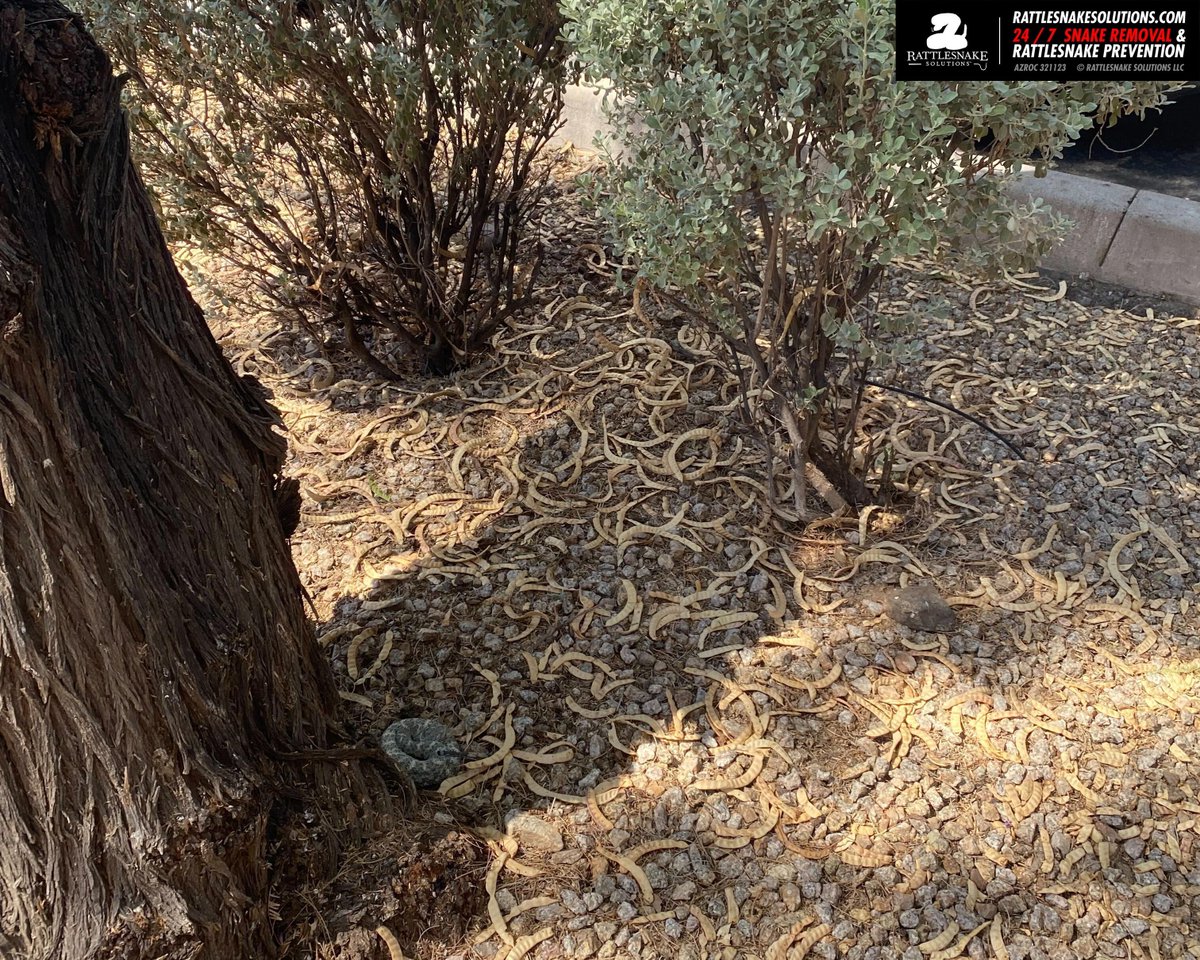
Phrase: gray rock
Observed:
(920, 608)
(1043, 919)
(605, 931)
(573, 902)
(1013, 905)
(534, 834)
(701, 871)
(730, 867)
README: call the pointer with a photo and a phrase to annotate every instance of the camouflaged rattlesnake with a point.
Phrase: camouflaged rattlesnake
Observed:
(424, 749)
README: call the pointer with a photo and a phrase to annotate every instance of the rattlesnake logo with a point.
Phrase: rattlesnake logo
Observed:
(949, 33)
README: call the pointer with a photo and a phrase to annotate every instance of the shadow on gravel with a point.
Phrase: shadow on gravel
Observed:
(893, 789)
(725, 749)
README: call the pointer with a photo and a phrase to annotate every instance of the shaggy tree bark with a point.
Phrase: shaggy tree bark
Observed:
(156, 666)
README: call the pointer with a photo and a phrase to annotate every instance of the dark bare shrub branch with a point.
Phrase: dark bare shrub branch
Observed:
(371, 162)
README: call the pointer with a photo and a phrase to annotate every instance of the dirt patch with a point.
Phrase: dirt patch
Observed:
(423, 887)
(440, 889)
(1093, 293)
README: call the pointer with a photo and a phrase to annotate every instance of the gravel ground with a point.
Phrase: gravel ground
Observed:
(720, 743)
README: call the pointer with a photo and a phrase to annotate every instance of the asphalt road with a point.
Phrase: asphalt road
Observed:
(1159, 153)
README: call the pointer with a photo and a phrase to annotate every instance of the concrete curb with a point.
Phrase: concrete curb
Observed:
(584, 118)
(1155, 247)
(1138, 239)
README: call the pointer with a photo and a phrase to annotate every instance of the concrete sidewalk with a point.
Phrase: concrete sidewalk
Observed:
(1138, 239)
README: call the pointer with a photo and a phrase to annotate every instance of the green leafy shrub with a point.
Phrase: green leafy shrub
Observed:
(372, 162)
(777, 169)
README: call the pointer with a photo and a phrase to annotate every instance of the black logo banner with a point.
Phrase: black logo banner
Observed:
(1047, 40)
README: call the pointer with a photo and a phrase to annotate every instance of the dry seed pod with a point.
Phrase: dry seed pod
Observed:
(393, 944)
(1069, 861)
(707, 930)
(510, 739)
(778, 950)
(631, 868)
(527, 943)
(806, 942)
(532, 664)
(858, 857)
(653, 917)
(1025, 809)
(533, 903)
(956, 950)
(732, 913)
(734, 783)
(996, 937)
(1090, 795)
(602, 714)
(1047, 864)
(1109, 756)
(522, 869)
(546, 756)
(628, 607)
(541, 791)
(495, 914)
(941, 941)
(597, 814)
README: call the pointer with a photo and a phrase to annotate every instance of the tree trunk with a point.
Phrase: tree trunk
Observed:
(155, 660)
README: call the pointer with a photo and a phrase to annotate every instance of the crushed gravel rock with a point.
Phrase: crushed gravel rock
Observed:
(565, 555)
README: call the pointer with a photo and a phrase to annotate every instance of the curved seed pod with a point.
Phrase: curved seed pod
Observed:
(778, 950)
(806, 942)
(393, 944)
(941, 941)
(527, 943)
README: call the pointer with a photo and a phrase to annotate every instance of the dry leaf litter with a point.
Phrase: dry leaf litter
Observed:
(692, 731)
